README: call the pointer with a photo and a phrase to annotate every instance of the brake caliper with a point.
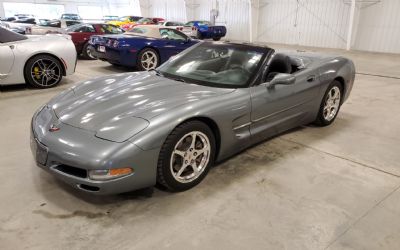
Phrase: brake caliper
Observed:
(36, 72)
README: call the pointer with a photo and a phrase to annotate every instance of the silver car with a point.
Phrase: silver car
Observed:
(41, 61)
(128, 131)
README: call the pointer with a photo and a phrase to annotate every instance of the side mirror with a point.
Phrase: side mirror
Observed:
(281, 78)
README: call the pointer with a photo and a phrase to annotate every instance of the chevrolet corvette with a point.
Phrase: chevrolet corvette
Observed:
(128, 131)
(41, 61)
(144, 47)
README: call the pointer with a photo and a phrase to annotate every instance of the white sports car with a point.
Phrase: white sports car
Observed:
(41, 61)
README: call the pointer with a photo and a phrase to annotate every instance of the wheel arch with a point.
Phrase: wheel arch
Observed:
(340, 79)
(212, 125)
(64, 70)
(153, 48)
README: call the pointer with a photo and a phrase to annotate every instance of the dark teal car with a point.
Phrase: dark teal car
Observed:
(144, 47)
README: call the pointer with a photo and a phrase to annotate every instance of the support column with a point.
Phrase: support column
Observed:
(2, 12)
(351, 24)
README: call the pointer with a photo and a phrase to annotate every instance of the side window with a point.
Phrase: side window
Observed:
(70, 23)
(171, 34)
(86, 28)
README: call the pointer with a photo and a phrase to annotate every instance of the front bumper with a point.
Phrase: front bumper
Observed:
(70, 153)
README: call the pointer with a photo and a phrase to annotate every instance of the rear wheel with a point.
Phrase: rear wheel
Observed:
(86, 53)
(147, 59)
(216, 38)
(330, 104)
(186, 156)
(43, 71)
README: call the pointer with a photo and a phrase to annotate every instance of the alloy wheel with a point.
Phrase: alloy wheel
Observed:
(45, 72)
(332, 103)
(190, 156)
(149, 60)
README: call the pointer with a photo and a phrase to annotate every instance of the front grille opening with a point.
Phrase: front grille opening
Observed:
(78, 172)
(89, 188)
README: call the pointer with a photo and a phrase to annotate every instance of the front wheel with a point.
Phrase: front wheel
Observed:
(330, 104)
(43, 71)
(216, 38)
(147, 59)
(186, 156)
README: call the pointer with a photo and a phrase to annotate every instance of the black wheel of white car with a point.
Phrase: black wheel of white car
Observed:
(43, 71)
(330, 104)
(86, 53)
(186, 156)
(148, 59)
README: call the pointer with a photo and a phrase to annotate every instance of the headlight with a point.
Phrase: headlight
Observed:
(109, 174)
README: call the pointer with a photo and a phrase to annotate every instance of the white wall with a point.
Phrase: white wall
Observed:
(117, 7)
(319, 23)
(171, 10)
(322, 23)
(378, 27)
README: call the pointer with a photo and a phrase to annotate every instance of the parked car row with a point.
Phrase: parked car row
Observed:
(131, 41)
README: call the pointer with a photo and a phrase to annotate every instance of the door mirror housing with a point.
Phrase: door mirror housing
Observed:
(282, 79)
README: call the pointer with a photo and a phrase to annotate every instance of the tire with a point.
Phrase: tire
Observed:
(216, 38)
(199, 36)
(147, 59)
(330, 104)
(43, 71)
(86, 52)
(174, 170)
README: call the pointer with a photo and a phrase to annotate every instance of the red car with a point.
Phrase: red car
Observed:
(81, 34)
(143, 21)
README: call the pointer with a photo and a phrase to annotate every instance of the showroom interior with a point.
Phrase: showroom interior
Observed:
(200, 124)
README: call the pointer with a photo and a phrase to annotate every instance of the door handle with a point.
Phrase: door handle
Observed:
(12, 46)
(310, 78)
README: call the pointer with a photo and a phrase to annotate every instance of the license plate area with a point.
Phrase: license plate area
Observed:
(102, 49)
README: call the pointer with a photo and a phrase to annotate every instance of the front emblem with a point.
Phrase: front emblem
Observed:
(53, 128)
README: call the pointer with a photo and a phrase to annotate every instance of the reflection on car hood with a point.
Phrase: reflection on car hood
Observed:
(143, 95)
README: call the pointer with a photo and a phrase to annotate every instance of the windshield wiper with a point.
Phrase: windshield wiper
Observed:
(158, 72)
(178, 79)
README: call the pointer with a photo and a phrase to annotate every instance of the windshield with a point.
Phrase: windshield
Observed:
(7, 36)
(217, 65)
(50, 23)
(70, 16)
(144, 20)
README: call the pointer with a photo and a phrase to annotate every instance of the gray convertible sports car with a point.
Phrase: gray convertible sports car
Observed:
(169, 126)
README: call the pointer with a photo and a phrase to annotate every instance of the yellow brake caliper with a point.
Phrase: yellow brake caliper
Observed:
(36, 72)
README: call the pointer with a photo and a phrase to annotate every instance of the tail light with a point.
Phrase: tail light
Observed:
(194, 28)
(179, 28)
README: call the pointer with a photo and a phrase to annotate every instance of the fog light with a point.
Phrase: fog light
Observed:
(108, 174)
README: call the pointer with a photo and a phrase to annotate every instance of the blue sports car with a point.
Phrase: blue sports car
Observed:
(144, 47)
(204, 30)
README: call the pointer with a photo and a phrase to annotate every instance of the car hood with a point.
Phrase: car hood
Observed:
(143, 95)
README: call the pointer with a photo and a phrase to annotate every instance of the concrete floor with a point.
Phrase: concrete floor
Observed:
(313, 188)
